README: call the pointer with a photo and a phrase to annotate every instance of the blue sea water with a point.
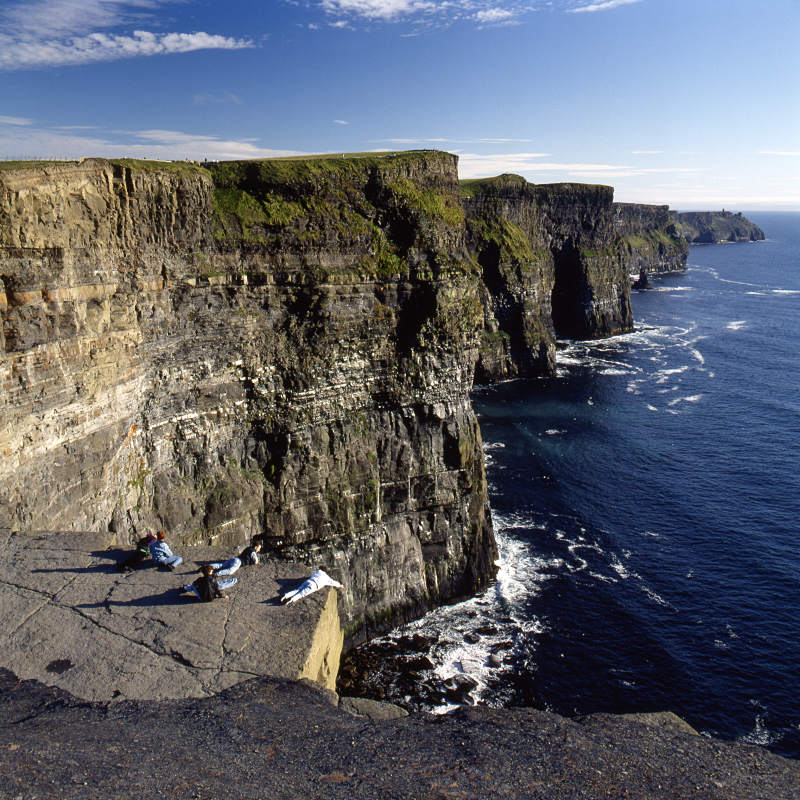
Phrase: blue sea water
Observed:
(646, 502)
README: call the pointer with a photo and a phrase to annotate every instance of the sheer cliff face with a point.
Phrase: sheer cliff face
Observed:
(649, 241)
(551, 267)
(282, 349)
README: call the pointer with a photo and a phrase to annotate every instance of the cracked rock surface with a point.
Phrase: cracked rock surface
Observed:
(71, 620)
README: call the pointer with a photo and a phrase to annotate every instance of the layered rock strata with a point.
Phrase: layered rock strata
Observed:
(715, 227)
(551, 267)
(281, 349)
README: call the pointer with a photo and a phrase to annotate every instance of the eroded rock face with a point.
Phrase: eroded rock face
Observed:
(281, 349)
(650, 243)
(551, 267)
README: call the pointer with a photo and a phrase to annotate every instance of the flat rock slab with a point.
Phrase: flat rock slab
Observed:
(71, 620)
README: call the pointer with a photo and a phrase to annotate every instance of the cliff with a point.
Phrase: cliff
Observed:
(285, 349)
(649, 240)
(715, 227)
(282, 349)
(551, 267)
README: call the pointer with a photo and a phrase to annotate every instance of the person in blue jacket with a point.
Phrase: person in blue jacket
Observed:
(161, 553)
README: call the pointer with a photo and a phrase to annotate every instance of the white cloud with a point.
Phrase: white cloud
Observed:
(377, 9)
(605, 6)
(341, 122)
(39, 33)
(15, 121)
(495, 15)
(473, 165)
(646, 152)
(426, 14)
(46, 143)
(791, 153)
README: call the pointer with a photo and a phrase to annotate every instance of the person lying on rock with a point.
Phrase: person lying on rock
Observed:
(138, 556)
(161, 553)
(207, 587)
(318, 579)
(247, 557)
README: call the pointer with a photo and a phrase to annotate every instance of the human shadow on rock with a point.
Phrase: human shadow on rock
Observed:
(170, 597)
(286, 585)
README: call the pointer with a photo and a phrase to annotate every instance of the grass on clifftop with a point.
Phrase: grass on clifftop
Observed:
(137, 164)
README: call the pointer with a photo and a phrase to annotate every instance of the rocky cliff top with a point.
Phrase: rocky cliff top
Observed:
(715, 227)
(285, 740)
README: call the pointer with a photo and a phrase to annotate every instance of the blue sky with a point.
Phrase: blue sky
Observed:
(695, 103)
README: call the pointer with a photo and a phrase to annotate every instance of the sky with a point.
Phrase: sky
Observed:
(693, 103)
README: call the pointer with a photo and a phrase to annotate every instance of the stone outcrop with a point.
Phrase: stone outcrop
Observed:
(649, 241)
(715, 227)
(551, 267)
(282, 349)
(72, 620)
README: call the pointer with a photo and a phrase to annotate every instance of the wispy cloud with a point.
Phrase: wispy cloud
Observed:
(15, 121)
(40, 33)
(378, 9)
(427, 14)
(647, 152)
(605, 6)
(474, 165)
(340, 122)
(497, 16)
(791, 153)
(37, 141)
(216, 99)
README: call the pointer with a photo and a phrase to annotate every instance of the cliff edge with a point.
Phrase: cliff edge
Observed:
(281, 349)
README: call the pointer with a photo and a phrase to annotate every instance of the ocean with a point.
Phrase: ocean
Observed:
(646, 502)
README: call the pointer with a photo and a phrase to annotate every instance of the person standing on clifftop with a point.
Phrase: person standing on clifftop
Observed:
(161, 553)
(207, 587)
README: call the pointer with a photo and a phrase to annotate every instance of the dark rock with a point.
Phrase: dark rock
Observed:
(714, 227)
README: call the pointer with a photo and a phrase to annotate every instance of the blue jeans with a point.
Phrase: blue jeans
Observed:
(170, 561)
(228, 567)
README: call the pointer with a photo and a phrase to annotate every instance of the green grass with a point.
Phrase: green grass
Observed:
(137, 164)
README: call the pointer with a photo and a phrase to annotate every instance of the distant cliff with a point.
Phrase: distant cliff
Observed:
(551, 267)
(715, 227)
(649, 240)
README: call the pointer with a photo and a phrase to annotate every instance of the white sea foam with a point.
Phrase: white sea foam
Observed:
(493, 446)
(737, 325)
(760, 735)
(694, 398)
(786, 291)
(651, 408)
(698, 355)
(554, 432)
